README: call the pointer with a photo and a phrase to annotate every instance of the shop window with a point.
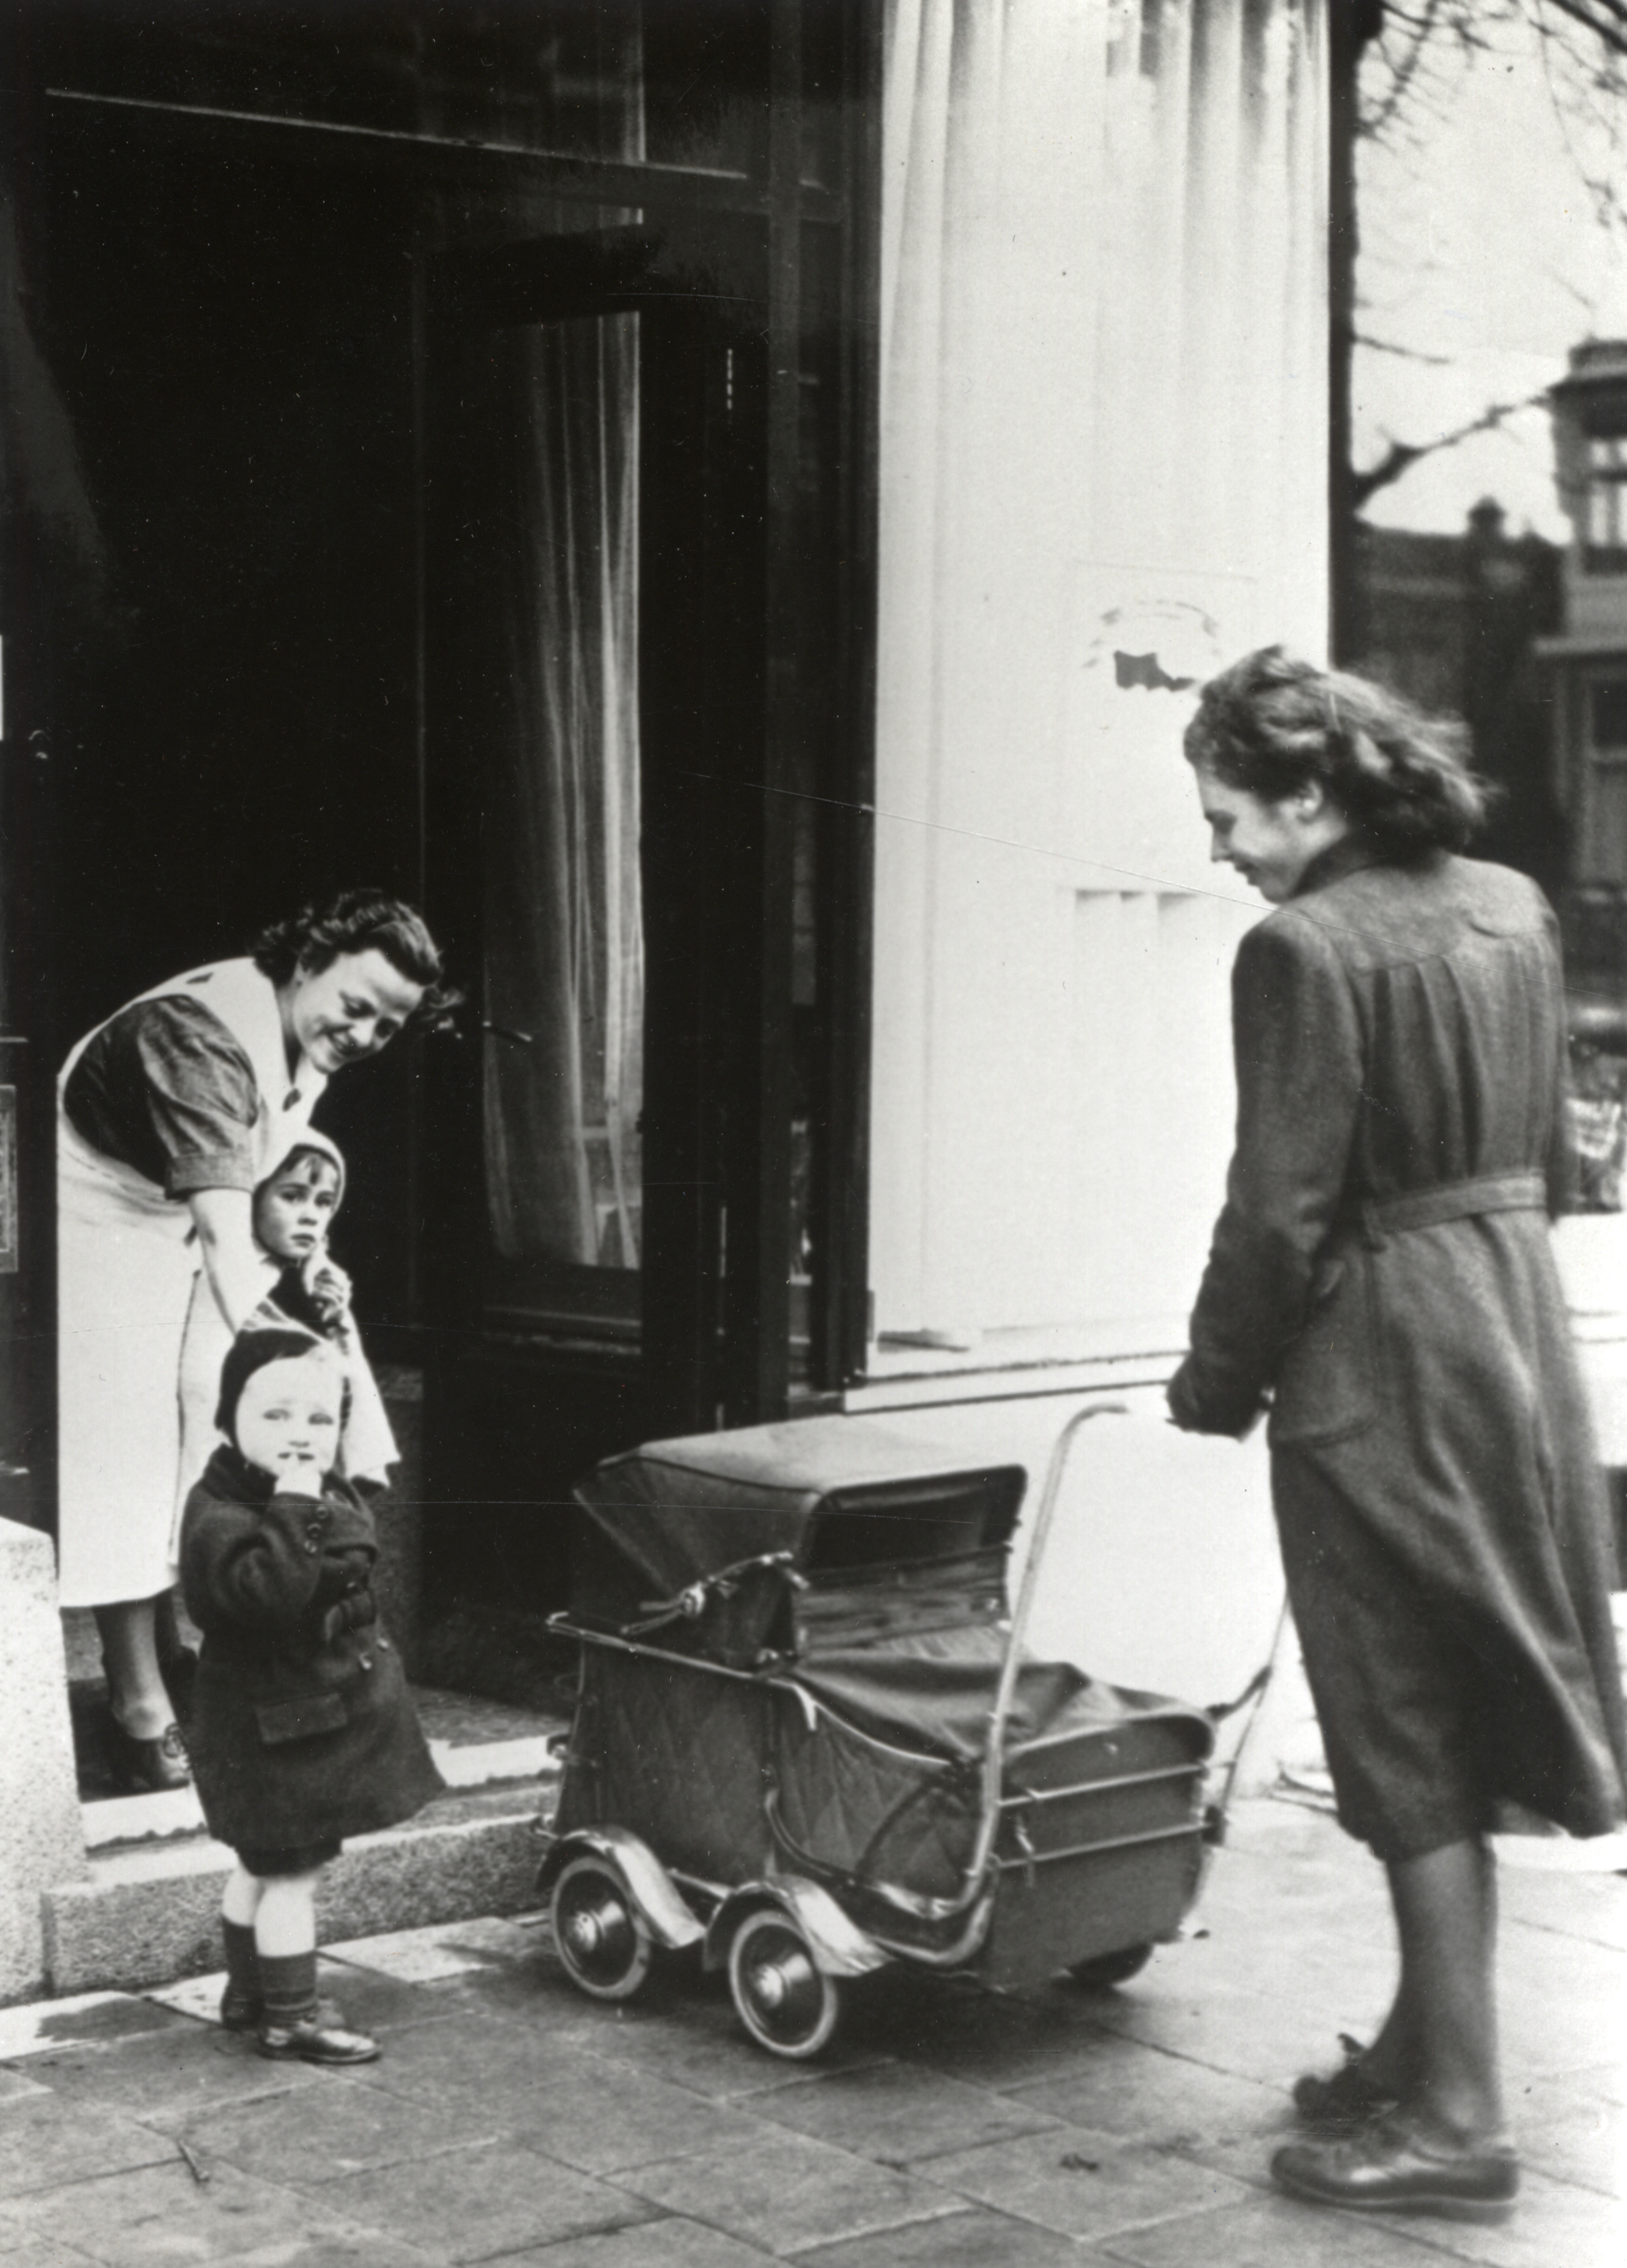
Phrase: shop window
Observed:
(1604, 840)
(562, 923)
(1607, 716)
(1605, 541)
(541, 76)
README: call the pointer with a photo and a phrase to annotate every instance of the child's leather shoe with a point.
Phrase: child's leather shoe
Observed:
(323, 2036)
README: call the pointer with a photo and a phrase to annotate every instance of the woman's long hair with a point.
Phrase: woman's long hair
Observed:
(1271, 724)
(362, 921)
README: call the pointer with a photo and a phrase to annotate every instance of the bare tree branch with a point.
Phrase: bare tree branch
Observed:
(1412, 80)
(1400, 457)
(1411, 354)
(1402, 73)
(1606, 20)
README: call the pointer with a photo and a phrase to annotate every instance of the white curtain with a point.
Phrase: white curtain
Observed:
(1103, 469)
(557, 593)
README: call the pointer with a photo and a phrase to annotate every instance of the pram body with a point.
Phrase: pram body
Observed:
(807, 1737)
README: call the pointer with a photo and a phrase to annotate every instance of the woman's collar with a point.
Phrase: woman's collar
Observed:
(1347, 856)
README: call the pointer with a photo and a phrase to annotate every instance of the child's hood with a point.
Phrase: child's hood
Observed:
(311, 1140)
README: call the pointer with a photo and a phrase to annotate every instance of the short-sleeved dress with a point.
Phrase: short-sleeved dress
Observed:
(1382, 1275)
(186, 1088)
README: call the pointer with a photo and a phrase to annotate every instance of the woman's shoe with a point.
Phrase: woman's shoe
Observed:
(147, 1767)
(1346, 2100)
(1388, 2168)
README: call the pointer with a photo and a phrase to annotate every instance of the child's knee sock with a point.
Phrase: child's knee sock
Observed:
(241, 2002)
(288, 1985)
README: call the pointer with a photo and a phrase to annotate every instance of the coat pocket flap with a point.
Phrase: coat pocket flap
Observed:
(300, 1719)
(1327, 1378)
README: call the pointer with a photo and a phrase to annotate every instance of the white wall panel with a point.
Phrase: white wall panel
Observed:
(1103, 433)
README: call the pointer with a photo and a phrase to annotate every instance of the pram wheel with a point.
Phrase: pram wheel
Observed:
(1111, 1968)
(781, 1995)
(601, 1937)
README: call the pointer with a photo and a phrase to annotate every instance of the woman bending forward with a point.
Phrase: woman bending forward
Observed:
(168, 1114)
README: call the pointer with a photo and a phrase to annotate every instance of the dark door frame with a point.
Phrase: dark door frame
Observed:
(717, 1323)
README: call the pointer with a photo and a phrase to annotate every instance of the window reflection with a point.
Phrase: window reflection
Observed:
(563, 933)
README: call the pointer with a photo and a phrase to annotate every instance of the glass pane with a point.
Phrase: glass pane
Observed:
(1607, 859)
(563, 77)
(1609, 717)
(559, 76)
(705, 84)
(823, 35)
(559, 736)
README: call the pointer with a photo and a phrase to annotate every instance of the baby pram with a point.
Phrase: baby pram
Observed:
(807, 1737)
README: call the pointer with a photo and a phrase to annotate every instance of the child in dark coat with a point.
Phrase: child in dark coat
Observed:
(302, 1728)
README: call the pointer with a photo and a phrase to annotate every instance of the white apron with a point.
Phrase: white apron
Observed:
(125, 1271)
(367, 1448)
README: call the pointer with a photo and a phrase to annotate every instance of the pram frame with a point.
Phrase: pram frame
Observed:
(727, 1907)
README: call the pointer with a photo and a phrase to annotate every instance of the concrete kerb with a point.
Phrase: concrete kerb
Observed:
(41, 1844)
(148, 1915)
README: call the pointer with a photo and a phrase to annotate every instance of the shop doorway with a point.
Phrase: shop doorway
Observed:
(264, 677)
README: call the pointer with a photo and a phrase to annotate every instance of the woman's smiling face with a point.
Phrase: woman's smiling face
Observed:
(1269, 841)
(349, 1011)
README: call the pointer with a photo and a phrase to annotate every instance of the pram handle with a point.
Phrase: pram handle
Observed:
(1044, 1517)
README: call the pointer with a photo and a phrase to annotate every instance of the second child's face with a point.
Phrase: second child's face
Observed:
(289, 1411)
(292, 1210)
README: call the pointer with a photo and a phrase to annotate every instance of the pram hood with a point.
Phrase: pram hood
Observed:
(823, 1496)
(854, 1569)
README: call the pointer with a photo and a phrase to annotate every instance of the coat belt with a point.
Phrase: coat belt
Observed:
(1454, 1201)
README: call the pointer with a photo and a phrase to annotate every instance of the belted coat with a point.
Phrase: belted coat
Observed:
(303, 1727)
(1382, 1277)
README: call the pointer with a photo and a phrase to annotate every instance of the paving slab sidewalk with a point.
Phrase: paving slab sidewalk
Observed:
(511, 2120)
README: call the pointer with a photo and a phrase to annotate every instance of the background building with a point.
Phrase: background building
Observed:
(1586, 662)
(1454, 622)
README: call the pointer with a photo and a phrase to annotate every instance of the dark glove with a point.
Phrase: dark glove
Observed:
(343, 1570)
(1193, 1415)
(354, 1611)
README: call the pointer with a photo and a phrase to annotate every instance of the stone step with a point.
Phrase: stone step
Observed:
(149, 1911)
(139, 1818)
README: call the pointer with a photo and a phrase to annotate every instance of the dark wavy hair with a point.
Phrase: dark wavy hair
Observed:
(362, 921)
(1271, 724)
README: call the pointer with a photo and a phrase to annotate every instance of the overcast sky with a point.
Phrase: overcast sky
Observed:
(1482, 246)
